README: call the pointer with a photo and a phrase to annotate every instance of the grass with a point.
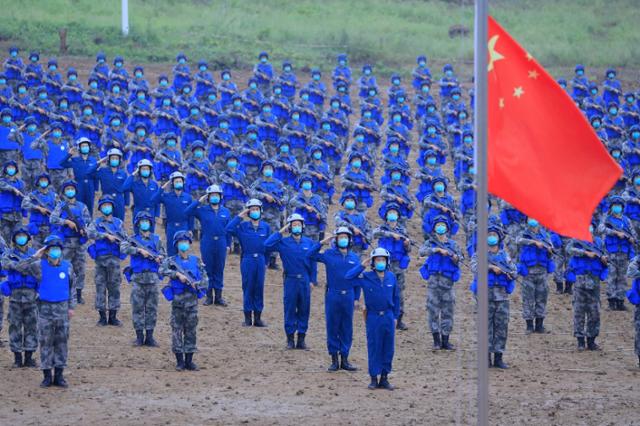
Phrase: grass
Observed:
(309, 32)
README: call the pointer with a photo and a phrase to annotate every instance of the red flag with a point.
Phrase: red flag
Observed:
(545, 159)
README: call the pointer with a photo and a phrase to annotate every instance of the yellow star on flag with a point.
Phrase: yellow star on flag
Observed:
(533, 74)
(529, 57)
(501, 102)
(493, 55)
(518, 92)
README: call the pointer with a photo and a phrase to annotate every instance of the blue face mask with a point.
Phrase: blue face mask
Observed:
(596, 124)
(224, 125)
(267, 172)
(115, 123)
(456, 97)
(84, 149)
(171, 143)
(145, 172)
(468, 139)
(42, 96)
(254, 214)
(284, 149)
(372, 93)
(43, 183)
(613, 111)
(306, 186)
(21, 239)
(438, 187)
(277, 91)
(343, 242)
(396, 176)
(431, 109)
(212, 98)
(425, 89)
(3, 81)
(70, 193)
(56, 134)
(431, 161)
(118, 64)
(397, 118)
(6, 119)
(615, 154)
(360, 138)
(326, 127)
(163, 83)
(381, 266)
(492, 240)
(115, 162)
(55, 252)
(181, 61)
(394, 149)
(392, 217)
(106, 209)
(183, 246)
(194, 112)
(198, 153)
(580, 73)
(441, 228)
(296, 230)
(532, 222)
(87, 112)
(11, 171)
(178, 184)
(616, 209)
(335, 105)
(296, 117)
(22, 90)
(316, 77)
(367, 114)
(141, 96)
(116, 90)
(232, 164)
(145, 225)
(266, 110)
(214, 199)
(73, 77)
(141, 132)
(186, 90)
(431, 130)
(349, 204)
(252, 136)
(356, 164)
(93, 85)
(203, 68)
(263, 59)
(138, 74)
(635, 135)
(226, 77)
(253, 86)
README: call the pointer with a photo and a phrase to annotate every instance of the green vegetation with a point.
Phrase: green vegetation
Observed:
(388, 33)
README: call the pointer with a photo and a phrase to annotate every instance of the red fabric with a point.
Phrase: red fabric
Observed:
(545, 159)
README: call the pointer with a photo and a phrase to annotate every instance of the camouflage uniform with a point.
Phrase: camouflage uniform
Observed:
(12, 219)
(441, 302)
(535, 291)
(23, 311)
(73, 250)
(586, 306)
(30, 170)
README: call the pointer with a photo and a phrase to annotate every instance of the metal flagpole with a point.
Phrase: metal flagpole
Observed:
(481, 136)
(125, 17)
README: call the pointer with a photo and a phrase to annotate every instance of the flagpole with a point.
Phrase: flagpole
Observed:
(480, 137)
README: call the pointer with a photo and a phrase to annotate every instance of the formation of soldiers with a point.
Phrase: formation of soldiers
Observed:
(252, 172)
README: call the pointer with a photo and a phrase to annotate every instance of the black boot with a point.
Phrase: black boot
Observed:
(568, 287)
(236, 247)
(17, 357)
(300, 344)
(149, 340)
(139, 338)
(188, 362)
(621, 306)
(445, 345)
(103, 318)
(209, 300)
(591, 344)
(436, 341)
(291, 344)
(559, 289)
(219, 301)
(374, 383)
(179, 362)
(247, 319)
(273, 265)
(384, 382)
(346, 365)
(29, 362)
(498, 363)
(113, 319)
(580, 343)
(490, 364)
(79, 296)
(58, 378)
(540, 326)
(400, 325)
(334, 363)
(46, 382)
(529, 329)
(257, 321)
(612, 304)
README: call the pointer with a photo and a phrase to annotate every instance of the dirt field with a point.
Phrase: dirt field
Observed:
(247, 376)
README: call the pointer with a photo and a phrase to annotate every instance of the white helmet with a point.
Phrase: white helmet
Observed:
(254, 202)
(83, 140)
(294, 217)
(145, 162)
(114, 151)
(380, 252)
(343, 230)
(176, 175)
(214, 189)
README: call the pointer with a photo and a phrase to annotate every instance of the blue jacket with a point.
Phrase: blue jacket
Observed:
(294, 257)
(175, 206)
(213, 223)
(337, 266)
(380, 295)
(251, 239)
(142, 194)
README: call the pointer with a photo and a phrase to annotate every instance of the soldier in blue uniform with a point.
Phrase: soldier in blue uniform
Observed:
(354, 220)
(40, 203)
(310, 206)
(112, 177)
(84, 167)
(175, 203)
(382, 309)
(263, 73)
(142, 186)
(12, 191)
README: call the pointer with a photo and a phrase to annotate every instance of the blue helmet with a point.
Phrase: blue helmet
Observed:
(53, 240)
(182, 236)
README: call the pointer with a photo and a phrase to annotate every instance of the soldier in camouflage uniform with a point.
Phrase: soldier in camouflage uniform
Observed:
(634, 298)
(11, 194)
(70, 218)
(107, 232)
(146, 251)
(40, 203)
(23, 312)
(188, 283)
(311, 207)
(441, 270)
(55, 308)
(3, 248)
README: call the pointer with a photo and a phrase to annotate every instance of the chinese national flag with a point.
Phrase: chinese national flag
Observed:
(544, 157)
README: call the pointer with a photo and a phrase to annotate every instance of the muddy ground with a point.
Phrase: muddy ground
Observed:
(247, 376)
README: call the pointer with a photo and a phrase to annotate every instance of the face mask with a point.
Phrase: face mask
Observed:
(254, 214)
(296, 117)
(532, 222)
(342, 89)
(212, 98)
(171, 143)
(252, 136)
(580, 73)
(367, 71)
(596, 124)
(55, 252)
(203, 68)
(591, 229)
(163, 83)
(70, 193)
(21, 239)
(178, 184)
(43, 184)
(372, 93)
(42, 96)
(141, 96)
(87, 112)
(343, 242)
(3, 81)
(6, 119)
(194, 112)
(635, 135)
(181, 61)
(145, 173)
(214, 199)
(93, 85)
(356, 164)
(266, 110)
(145, 225)
(296, 230)
(360, 138)
(106, 209)
(56, 134)
(630, 100)
(11, 171)
(616, 209)
(253, 86)
(224, 125)
(636, 180)
(73, 77)
(277, 91)
(22, 90)
(267, 172)
(468, 139)
(613, 111)
(306, 186)
(441, 229)
(448, 73)
(431, 161)
(335, 105)
(316, 77)
(342, 63)
(431, 109)
(462, 117)
(84, 149)
(422, 64)
(232, 164)
(114, 162)
(326, 127)
(263, 60)
(615, 154)
(141, 132)
(400, 100)
(396, 176)
(392, 217)
(381, 266)
(425, 89)
(456, 97)
(118, 64)
(183, 246)
(492, 240)
(116, 90)
(198, 153)
(14, 53)
(349, 204)
(138, 74)
(64, 105)
(101, 61)
(594, 92)
(284, 149)
(226, 77)
(439, 187)
(367, 114)
(186, 90)
(394, 149)
(396, 82)
(431, 130)
(611, 76)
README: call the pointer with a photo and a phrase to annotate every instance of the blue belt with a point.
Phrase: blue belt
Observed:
(252, 255)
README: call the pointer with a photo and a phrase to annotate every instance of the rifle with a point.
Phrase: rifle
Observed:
(501, 269)
(266, 195)
(441, 207)
(356, 229)
(529, 239)
(80, 228)
(192, 168)
(597, 253)
(620, 233)
(219, 142)
(163, 157)
(191, 280)
(226, 178)
(395, 235)
(444, 250)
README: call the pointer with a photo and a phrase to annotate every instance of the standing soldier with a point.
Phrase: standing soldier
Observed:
(55, 308)
(535, 263)
(70, 217)
(382, 309)
(441, 269)
(634, 298)
(188, 282)
(300, 274)
(340, 296)
(251, 233)
(311, 207)
(22, 291)
(175, 203)
(40, 202)
(107, 232)
(11, 195)
(146, 251)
